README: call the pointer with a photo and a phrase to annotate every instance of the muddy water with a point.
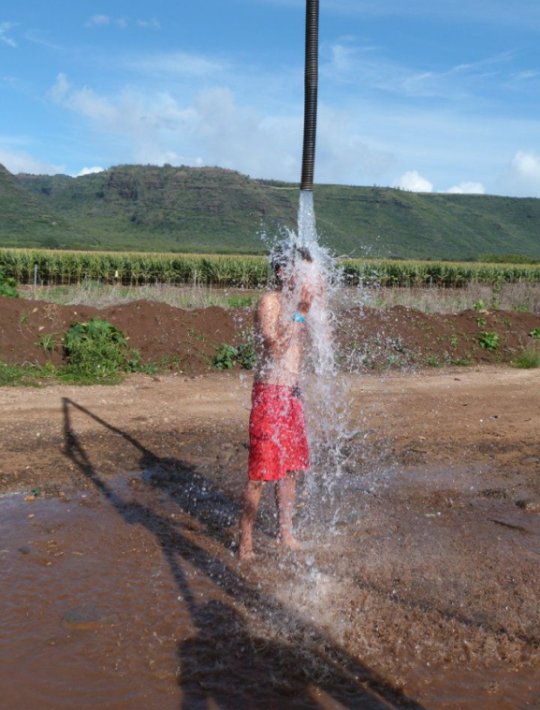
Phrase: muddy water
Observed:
(129, 597)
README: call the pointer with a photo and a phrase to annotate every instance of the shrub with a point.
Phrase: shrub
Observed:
(97, 351)
(227, 356)
(8, 286)
(489, 340)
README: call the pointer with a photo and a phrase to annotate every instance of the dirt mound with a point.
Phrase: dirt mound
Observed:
(186, 340)
(404, 337)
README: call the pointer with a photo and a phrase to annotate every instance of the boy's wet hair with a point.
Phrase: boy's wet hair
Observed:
(283, 256)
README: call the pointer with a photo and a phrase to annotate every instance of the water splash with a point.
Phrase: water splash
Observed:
(325, 391)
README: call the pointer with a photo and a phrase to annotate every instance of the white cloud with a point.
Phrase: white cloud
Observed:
(106, 20)
(414, 182)
(370, 69)
(89, 171)
(214, 128)
(523, 175)
(60, 88)
(5, 27)
(99, 21)
(343, 151)
(176, 63)
(152, 24)
(17, 161)
(83, 101)
(467, 188)
(362, 143)
(527, 166)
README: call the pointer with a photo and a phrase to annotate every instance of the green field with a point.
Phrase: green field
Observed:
(72, 267)
(211, 210)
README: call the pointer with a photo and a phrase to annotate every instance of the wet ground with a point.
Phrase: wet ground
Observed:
(418, 586)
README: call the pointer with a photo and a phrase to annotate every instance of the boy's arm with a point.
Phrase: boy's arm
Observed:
(275, 332)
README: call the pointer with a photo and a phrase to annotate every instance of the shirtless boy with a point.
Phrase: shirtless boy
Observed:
(278, 444)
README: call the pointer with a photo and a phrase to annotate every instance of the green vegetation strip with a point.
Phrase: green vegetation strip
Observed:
(136, 268)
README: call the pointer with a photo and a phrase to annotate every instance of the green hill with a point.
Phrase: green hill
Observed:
(148, 208)
(27, 219)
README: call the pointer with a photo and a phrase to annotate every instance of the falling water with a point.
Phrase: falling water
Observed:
(324, 390)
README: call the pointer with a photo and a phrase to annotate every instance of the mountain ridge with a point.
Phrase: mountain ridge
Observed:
(149, 208)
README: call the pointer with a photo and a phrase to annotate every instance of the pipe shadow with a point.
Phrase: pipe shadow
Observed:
(226, 662)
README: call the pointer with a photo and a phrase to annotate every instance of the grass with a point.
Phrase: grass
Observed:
(444, 300)
(427, 300)
(100, 295)
(26, 375)
(528, 359)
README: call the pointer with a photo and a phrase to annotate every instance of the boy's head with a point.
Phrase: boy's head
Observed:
(283, 259)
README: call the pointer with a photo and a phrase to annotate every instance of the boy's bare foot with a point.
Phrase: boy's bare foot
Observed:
(246, 553)
(289, 542)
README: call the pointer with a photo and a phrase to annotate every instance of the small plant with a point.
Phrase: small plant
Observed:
(479, 305)
(432, 361)
(194, 333)
(227, 356)
(454, 341)
(480, 322)
(497, 288)
(8, 286)
(535, 333)
(522, 307)
(527, 360)
(247, 356)
(97, 351)
(489, 340)
(461, 362)
(47, 342)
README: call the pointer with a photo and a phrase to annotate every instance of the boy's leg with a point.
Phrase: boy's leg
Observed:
(285, 495)
(250, 503)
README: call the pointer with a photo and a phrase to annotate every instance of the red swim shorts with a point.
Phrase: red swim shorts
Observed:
(277, 433)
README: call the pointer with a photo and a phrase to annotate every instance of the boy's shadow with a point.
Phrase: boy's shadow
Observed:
(227, 666)
(226, 661)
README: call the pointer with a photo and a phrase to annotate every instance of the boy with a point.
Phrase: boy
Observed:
(278, 443)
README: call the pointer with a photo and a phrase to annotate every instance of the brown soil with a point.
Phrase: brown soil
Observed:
(420, 582)
(186, 340)
(428, 592)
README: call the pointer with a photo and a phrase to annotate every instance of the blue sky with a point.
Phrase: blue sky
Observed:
(430, 96)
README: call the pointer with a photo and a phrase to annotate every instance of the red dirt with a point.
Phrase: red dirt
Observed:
(186, 340)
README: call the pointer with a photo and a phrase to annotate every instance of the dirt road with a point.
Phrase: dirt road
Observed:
(421, 568)
(487, 416)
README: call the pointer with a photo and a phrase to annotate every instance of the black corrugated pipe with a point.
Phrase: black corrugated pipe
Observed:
(310, 93)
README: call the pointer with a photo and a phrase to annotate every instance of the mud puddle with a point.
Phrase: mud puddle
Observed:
(129, 597)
